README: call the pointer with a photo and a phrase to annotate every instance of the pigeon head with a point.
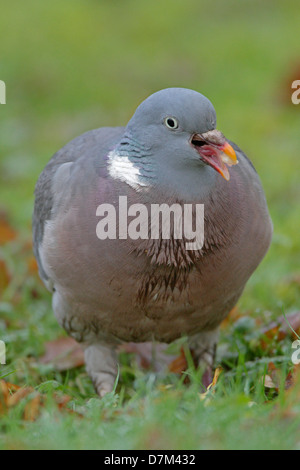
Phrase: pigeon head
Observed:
(172, 140)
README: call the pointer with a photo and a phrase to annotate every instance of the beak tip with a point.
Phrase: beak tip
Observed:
(230, 152)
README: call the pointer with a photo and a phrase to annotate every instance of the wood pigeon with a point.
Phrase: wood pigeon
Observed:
(112, 283)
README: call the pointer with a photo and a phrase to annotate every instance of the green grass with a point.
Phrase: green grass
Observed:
(73, 66)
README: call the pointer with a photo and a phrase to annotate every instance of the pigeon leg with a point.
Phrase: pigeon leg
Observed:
(203, 346)
(99, 354)
(102, 366)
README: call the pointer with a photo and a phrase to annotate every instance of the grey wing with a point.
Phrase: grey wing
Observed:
(55, 176)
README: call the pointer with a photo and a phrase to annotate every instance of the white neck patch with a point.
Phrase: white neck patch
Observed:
(120, 167)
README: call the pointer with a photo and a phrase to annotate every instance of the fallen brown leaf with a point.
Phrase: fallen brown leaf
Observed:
(217, 374)
(4, 393)
(268, 382)
(7, 233)
(289, 380)
(280, 328)
(62, 400)
(273, 378)
(11, 395)
(32, 408)
(232, 317)
(4, 276)
(179, 364)
(292, 396)
(21, 393)
(64, 353)
(211, 387)
(32, 265)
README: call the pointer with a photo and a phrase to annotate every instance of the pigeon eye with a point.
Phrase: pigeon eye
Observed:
(171, 123)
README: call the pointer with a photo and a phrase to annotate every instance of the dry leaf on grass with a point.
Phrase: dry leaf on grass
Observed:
(232, 317)
(211, 387)
(180, 364)
(273, 378)
(7, 233)
(32, 408)
(4, 276)
(282, 327)
(268, 382)
(64, 353)
(32, 265)
(11, 395)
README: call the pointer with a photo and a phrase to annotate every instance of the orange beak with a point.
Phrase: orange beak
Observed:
(228, 150)
(227, 157)
(215, 151)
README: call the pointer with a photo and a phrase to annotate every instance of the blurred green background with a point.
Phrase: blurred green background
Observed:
(74, 66)
(70, 66)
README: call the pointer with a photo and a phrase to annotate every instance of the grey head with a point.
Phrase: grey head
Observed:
(173, 145)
